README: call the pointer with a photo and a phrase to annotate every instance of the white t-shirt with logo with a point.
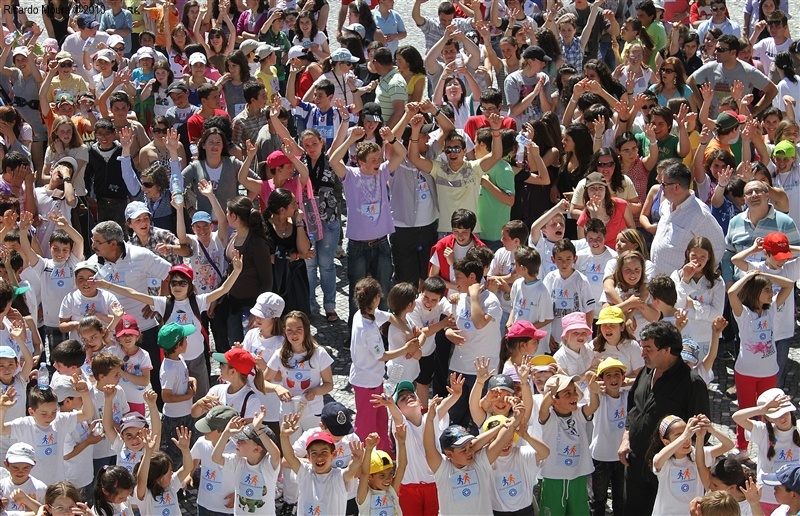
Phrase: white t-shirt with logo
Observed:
(32, 487)
(609, 426)
(417, 469)
(254, 343)
(502, 265)
(216, 482)
(322, 493)
(784, 316)
(301, 376)
(119, 407)
(165, 504)
(514, 479)
(678, 484)
(568, 439)
(58, 281)
(531, 302)
(135, 365)
(398, 339)
(627, 351)
(465, 491)
(366, 350)
(182, 314)
(593, 266)
(786, 452)
(757, 356)
(237, 399)
(254, 485)
(421, 318)
(174, 376)
(341, 453)
(48, 441)
(76, 306)
(573, 294)
(478, 343)
(79, 468)
(126, 457)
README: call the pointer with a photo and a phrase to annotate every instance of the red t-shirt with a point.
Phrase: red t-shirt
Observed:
(615, 225)
(194, 126)
(478, 121)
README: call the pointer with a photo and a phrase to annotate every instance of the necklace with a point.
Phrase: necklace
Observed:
(286, 227)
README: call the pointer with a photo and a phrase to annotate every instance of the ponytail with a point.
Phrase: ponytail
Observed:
(772, 441)
(784, 63)
(258, 381)
(110, 480)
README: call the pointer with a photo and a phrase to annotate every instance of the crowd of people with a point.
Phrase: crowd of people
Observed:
(551, 217)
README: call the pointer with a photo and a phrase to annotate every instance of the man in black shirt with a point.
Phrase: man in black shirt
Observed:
(666, 385)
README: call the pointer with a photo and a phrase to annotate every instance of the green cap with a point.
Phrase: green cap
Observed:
(171, 334)
(405, 385)
(784, 149)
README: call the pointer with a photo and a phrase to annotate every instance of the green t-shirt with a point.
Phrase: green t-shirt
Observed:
(658, 34)
(281, 41)
(493, 214)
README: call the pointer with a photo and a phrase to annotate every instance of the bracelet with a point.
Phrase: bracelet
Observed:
(438, 112)
(598, 137)
(394, 140)
(415, 141)
(300, 224)
(624, 121)
(353, 91)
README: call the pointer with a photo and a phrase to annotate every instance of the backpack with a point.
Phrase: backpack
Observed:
(196, 311)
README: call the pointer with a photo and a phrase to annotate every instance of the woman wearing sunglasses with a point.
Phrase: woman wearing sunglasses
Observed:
(156, 151)
(672, 82)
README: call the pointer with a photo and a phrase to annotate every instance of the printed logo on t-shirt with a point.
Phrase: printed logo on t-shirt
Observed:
(784, 456)
(298, 374)
(316, 509)
(594, 272)
(60, 277)
(464, 484)
(509, 485)
(616, 418)
(760, 338)
(46, 443)
(117, 278)
(564, 301)
(381, 505)
(681, 481)
(251, 492)
(212, 478)
(341, 456)
(568, 445)
(523, 308)
(465, 319)
(165, 504)
(423, 190)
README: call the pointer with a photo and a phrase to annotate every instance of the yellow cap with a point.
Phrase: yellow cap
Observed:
(610, 315)
(541, 361)
(379, 461)
(494, 421)
(610, 363)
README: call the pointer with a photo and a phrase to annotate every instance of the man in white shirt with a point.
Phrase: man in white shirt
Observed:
(75, 42)
(683, 217)
(766, 49)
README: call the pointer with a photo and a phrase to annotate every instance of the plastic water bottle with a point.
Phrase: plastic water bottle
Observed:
(11, 37)
(299, 404)
(394, 373)
(459, 60)
(245, 322)
(105, 271)
(88, 43)
(44, 377)
(311, 240)
(522, 140)
(175, 188)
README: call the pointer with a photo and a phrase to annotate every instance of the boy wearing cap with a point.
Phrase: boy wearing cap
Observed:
(323, 488)
(607, 433)
(129, 442)
(778, 259)
(107, 372)
(272, 34)
(463, 469)
(57, 273)
(61, 79)
(501, 392)
(564, 429)
(57, 196)
(379, 480)
(30, 491)
(85, 300)
(79, 442)
(215, 494)
(530, 299)
(74, 44)
(11, 378)
(177, 387)
(45, 427)
(786, 484)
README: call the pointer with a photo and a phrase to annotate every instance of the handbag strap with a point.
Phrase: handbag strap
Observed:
(208, 257)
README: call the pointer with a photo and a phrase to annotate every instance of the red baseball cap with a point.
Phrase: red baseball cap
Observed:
(127, 325)
(320, 435)
(277, 158)
(777, 244)
(183, 269)
(525, 329)
(237, 358)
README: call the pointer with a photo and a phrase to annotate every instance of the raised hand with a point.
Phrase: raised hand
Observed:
(172, 141)
(357, 132)
(109, 391)
(719, 324)
(236, 260)
(126, 138)
(707, 91)
(184, 440)
(456, 387)
(372, 441)
(206, 188)
(258, 418)
(386, 133)
(290, 424)
(482, 369)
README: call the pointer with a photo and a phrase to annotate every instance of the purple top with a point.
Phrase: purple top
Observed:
(369, 215)
(244, 20)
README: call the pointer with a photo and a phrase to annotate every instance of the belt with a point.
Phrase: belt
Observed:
(372, 243)
(20, 102)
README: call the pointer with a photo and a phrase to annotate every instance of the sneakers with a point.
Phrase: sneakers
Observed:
(339, 252)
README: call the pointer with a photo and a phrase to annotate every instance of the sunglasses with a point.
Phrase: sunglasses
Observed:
(450, 150)
(605, 164)
(119, 49)
(775, 23)
(667, 70)
(721, 50)
(159, 130)
(718, 9)
(649, 106)
(179, 283)
(146, 184)
(66, 65)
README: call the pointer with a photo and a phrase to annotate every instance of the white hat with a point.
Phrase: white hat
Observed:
(296, 51)
(343, 55)
(265, 50)
(357, 28)
(134, 209)
(771, 394)
(248, 45)
(21, 452)
(21, 50)
(114, 40)
(145, 52)
(106, 54)
(197, 57)
(62, 388)
(268, 306)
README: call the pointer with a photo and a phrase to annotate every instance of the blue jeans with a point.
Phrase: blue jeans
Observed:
(238, 321)
(783, 346)
(369, 258)
(327, 270)
(606, 54)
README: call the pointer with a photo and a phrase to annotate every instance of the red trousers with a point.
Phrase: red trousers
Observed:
(748, 388)
(419, 499)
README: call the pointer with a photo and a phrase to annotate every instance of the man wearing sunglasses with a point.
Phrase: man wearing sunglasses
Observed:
(778, 40)
(719, 19)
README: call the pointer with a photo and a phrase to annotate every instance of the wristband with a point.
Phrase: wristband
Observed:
(394, 140)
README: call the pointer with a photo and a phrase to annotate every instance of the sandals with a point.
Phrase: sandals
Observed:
(331, 317)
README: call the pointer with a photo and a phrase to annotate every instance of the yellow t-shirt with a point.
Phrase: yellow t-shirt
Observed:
(270, 81)
(74, 85)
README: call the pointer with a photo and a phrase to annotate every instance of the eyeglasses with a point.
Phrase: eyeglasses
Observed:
(648, 106)
(754, 193)
(721, 50)
(450, 150)
(160, 130)
(605, 164)
(146, 184)
(663, 184)
(66, 65)
(718, 9)
(178, 283)
(97, 242)
(667, 70)
(775, 23)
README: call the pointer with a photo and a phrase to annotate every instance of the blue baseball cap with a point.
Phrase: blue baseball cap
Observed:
(455, 436)
(201, 216)
(787, 476)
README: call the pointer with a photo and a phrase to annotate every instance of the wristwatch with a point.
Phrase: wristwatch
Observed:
(68, 179)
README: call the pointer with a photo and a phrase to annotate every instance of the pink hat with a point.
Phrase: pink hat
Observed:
(574, 321)
(277, 158)
(525, 329)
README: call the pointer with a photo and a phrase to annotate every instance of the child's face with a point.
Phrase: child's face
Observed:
(698, 255)
(661, 127)
(60, 251)
(121, 496)
(8, 366)
(382, 480)
(247, 448)
(632, 271)
(554, 229)
(430, 300)
(165, 480)
(596, 241)
(772, 262)
(565, 261)
(463, 282)
(92, 339)
(264, 324)
(141, 224)
(86, 287)
(612, 379)
(461, 457)
(770, 123)
(611, 332)
(509, 243)
(567, 400)
(540, 378)
(128, 341)
(320, 455)
(783, 422)
(132, 437)
(113, 377)
(675, 431)
(576, 339)
(179, 286)
(567, 31)
(19, 471)
(45, 413)
(408, 403)
(463, 236)
(765, 298)
(64, 503)
(72, 403)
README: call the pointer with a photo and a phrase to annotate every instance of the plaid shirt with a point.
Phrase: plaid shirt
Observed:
(158, 236)
(573, 54)
(246, 126)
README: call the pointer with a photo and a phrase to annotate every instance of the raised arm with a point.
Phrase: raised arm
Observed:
(669, 450)
(336, 159)
(125, 291)
(490, 160)
(289, 427)
(432, 455)
(476, 411)
(251, 185)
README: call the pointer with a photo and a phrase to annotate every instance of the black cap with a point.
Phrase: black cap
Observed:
(455, 436)
(336, 419)
(177, 87)
(371, 112)
(534, 52)
(501, 381)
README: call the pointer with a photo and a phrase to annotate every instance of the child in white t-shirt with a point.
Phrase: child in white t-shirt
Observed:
(502, 273)
(25, 493)
(216, 489)
(157, 483)
(107, 371)
(576, 356)
(530, 299)
(128, 443)
(401, 302)
(592, 259)
(85, 300)
(112, 492)
(177, 387)
(551, 224)
(14, 373)
(254, 467)
(569, 289)
(136, 366)
(691, 353)
(379, 481)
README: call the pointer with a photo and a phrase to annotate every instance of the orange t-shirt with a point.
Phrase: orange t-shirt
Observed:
(157, 14)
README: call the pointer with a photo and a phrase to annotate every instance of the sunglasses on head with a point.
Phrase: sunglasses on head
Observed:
(450, 150)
